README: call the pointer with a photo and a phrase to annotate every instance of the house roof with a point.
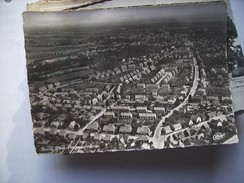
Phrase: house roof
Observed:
(187, 132)
(63, 133)
(211, 114)
(39, 131)
(97, 137)
(142, 138)
(194, 117)
(143, 130)
(126, 114)
(177, 126)
(141, 108)
(109, 128)
(53, 131)
(72, 124)
(125, 129)
(55, 123)
(93, 126)
(71, 135)
(167, 129)
(147, 115)
(85, 135)
(108, 137)
(109, 114)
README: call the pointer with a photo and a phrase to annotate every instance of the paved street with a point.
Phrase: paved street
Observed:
(157, 138)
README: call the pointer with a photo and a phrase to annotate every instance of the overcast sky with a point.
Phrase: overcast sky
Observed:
(122, 16)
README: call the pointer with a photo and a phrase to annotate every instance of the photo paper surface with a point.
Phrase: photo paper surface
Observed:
(120, 79)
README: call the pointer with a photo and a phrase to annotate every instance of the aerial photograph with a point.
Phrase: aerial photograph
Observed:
(136, 78)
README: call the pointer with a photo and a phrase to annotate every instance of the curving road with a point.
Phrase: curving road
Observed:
(158, 139)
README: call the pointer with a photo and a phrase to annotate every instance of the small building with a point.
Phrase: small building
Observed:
(55, 124)
(50, 86)
(120, 108)
(159, 110)
(132, 66)
(109, 114)
(212, 114)
(72, 136)
(94, 101)
(62, 133)
(212, 98)
(92, 90)
(152, 67)
(142, 138)
(85, 135)
(78, 107)
(39, 131)
(200, 136)
(108, 138)
(154, 93)
(57, 84)
(166, 130)
(109, 128)
(140, 97)
(73, 124)
(124, 68)
(177, 127)
(143, 130)
(126, 115)
(117, 70)
(227, 99)
(97, 108)
(127, 97)
(165, 87)
(187, 133)
(125, 129)
(219, 124)
(172, 101)
(93, 127)
(150, 116)
(97, 137)
(141, 109)
(141, 86)
(53, 131)
(43, 88)
(59, 105)
(152, 86)
(122, 79)
(191, 123)
(68, 106)
(196, 119)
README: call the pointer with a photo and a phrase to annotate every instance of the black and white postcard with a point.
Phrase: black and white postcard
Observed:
(120, 79)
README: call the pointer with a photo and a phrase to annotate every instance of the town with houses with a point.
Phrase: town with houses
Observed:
(129, 88)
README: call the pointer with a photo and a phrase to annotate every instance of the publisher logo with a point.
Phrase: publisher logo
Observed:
(218, 136)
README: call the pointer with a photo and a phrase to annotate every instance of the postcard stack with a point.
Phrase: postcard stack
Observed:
(132, 75)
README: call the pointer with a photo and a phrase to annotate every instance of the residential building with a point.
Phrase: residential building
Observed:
(152, 86)
(109, 128)
(140, 97)
(159, 110)
(177, 127)
(141, 86)
(125, 129)
(126, 115)
(120, 108)
(93, 127)
(109, 114)
(143, 130)
(166, 130)
(150, 116)
(97, 137)
(141, 109)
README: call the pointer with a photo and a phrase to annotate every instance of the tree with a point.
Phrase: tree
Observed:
(190, 98)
